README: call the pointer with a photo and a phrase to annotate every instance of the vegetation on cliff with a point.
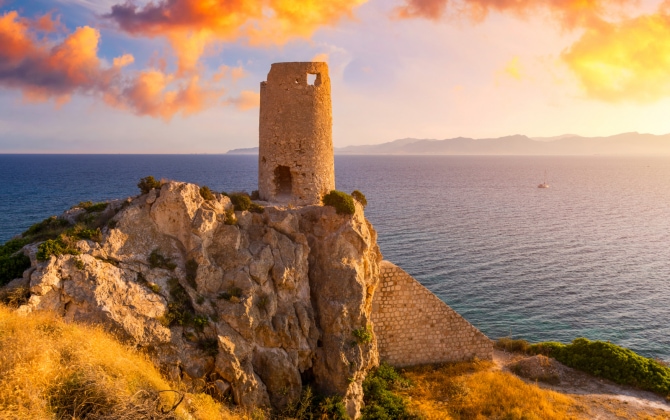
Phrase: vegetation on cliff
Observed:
(382, 401)
(58, 236)
(601, 359)
(147, 184)
(53, 369)
(343, 202)
(12, 261)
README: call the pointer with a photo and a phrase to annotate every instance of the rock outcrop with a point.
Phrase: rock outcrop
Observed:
(257, 304)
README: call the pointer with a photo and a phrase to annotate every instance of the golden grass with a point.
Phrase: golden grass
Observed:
(51, 369)
(474, 391)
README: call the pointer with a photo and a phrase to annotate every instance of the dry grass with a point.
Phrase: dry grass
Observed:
(50, 369)
(475, 391)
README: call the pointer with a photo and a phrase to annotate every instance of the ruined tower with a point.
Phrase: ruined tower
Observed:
(295, 158)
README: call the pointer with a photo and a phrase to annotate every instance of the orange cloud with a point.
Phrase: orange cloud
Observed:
(615, 59)
(43, 69)
(224, 72)
(191, 25)
(46, 23)
(629, 60)
(321, 57)
(124, 60)
(246, 101)
(571, 13)
(150, 93)
(513, 69)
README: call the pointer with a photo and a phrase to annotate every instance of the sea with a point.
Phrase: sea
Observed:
(587, 257)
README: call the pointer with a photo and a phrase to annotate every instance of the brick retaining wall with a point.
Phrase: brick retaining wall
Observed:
(414, 327)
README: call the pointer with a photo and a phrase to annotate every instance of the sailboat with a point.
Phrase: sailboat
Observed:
(544, 183)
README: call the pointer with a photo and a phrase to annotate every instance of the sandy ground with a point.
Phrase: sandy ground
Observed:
(601, 399)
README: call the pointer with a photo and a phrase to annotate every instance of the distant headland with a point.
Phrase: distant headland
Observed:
(516, 145)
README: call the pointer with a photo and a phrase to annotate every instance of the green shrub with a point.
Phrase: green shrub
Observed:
(343, 202)
(180, 309)
(82, 232)
(13, 246)
(12, 267)
(12, 262)
(79, 264)
(206, 193)
(332, 408)
(231, 219)
(91, 207)
(46, 229)
(157, 260)
(256, 208)
(512, 346)
(363, 335)
(192, 273)
(254, 195)
(56, 247)
(241, 201)
(360, 197)
(381, 403)
(610, 361)
(147, 184)
(200, 322)
(546, 348)
(312, 407)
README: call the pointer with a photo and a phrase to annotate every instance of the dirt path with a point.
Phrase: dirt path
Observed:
(601, 399)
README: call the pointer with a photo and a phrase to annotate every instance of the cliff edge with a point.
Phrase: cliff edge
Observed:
(254, 304)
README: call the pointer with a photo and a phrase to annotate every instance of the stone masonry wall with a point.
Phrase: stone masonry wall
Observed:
(414, 327)
(295, 160)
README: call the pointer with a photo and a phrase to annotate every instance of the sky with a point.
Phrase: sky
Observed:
(183, 76)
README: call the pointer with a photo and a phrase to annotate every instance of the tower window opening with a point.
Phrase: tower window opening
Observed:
(311, 79)
(283, 181)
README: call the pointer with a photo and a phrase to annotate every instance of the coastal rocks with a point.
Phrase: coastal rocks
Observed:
(252, 304)
(538, 368)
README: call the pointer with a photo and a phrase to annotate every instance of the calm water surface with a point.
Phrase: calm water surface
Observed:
(589, 256)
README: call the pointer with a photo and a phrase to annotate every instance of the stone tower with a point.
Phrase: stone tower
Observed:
(295, 158)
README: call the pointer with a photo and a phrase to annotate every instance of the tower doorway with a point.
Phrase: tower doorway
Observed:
(283, 181)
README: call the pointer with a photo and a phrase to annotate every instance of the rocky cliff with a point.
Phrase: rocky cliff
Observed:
(254, 304)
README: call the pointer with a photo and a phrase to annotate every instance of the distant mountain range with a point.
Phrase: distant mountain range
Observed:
(518, 145)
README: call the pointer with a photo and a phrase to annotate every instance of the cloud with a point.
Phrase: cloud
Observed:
(225, 72)
(321, 57)
(628, 60)
(149, 93)
(571, 13)
(44, 69)
(192, 25)
(124, 60)
(47, 23)
(246, 101)
(513, 69)
(616, 58)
